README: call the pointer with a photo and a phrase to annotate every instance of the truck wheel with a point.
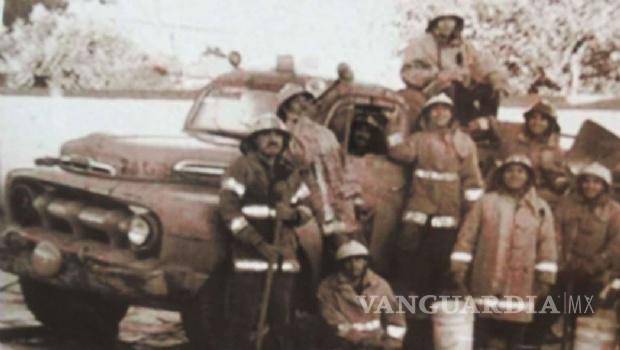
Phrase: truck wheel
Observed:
(75, 314)
(203, 317)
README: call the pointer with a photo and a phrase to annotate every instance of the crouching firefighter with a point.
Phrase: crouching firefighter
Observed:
(444, 178)
(358, 307)
(260, 194)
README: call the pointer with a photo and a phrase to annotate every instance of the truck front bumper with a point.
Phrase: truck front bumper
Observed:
(95, 267)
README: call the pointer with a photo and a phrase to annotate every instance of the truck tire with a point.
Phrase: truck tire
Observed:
(75, 314)
(203, 316)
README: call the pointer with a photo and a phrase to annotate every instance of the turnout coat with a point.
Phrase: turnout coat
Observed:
(507, 245)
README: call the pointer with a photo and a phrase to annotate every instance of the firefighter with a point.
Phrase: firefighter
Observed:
(445, 177)
(315, 148)
(349, 325)
(367, 134)
(441, 60)
(540, 141)
(258, 189)
(506, 248)
(378, 211)
(588, 227)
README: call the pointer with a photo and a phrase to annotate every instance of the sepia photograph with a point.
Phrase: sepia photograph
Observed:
(309, 175)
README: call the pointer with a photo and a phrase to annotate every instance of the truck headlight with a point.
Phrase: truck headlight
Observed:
(139, 231)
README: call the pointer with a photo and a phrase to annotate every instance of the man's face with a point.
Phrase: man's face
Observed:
(270, 143)
(591, 186)
(298, 107)
(515, 177)
(445, 27)
(355, 267)
(362, 135)
(440, 115)
(537, 123)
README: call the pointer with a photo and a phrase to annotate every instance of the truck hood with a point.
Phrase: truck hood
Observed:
(148, 157)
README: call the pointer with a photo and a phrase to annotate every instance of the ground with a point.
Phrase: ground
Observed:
(141, 329)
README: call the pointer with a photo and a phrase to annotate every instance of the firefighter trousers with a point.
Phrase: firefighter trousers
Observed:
(244, 294)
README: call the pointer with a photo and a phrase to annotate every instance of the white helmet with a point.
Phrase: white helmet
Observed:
(264, 122)
(351, 249)
(287, 92)
(598, 170)
(520, 159)
(439, 99)
(446, 12)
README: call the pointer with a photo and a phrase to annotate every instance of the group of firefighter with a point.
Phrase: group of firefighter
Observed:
(529, 227)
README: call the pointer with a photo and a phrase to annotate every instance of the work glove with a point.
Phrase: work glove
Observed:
(285, 212)
(270, 251)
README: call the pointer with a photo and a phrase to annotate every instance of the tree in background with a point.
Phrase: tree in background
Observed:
(55, 49)
(573, 45)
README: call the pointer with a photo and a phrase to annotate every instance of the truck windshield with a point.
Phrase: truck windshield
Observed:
(230, 110)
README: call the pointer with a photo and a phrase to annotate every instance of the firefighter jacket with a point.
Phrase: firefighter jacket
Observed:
(547, 162)
(589, 234)
(358, 317)
(445, 172)
(507, 245)
(425, 58)
(316, 149)
(250, 190)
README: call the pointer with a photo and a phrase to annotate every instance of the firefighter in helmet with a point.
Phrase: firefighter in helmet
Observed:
(348, 325)
(539, 139)
(445, 179)
(315, 148)
(258, 190)
(441, 60)
(588, 228)
(506, 249)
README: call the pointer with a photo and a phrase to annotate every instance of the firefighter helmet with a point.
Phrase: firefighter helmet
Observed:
(520, 159)
(597, 170)
(351, 249)
(545, 108)
(440, 99)
(287, 93)
(442, 13)
(264, 122)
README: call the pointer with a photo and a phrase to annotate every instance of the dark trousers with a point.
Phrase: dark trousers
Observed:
(244, 293)
(487, 332)
(575, 294)
(423, 270)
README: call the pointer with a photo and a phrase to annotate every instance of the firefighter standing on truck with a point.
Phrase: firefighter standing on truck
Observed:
(507, 248)
(588, 228)
(348, 325)
(258, 189)
(539, 139)
(441, 60)
(445, 175)
(315, 148)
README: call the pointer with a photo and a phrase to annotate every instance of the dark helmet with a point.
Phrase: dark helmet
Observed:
(545, 108)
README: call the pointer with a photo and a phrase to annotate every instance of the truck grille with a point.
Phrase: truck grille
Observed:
(84, 215)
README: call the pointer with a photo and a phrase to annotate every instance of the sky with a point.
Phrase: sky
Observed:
(320, 34)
